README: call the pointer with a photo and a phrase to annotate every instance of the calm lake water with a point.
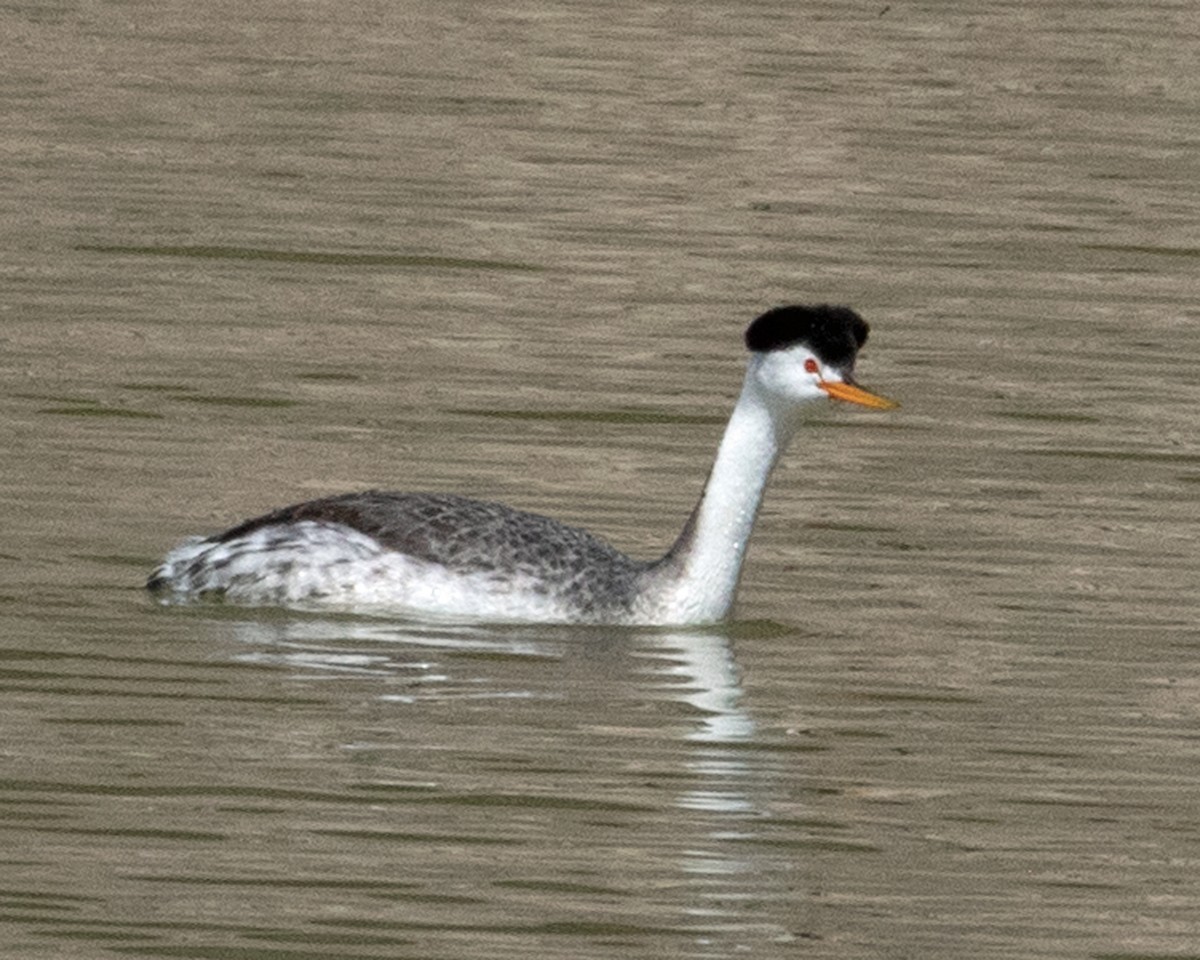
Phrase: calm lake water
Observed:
(260, 252)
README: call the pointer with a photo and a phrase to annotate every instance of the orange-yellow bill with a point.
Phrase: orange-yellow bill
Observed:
(852, 394)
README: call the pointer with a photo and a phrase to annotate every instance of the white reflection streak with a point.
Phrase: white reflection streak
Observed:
(403, 652)
(722, 871)
(444, 637)
(706, 661)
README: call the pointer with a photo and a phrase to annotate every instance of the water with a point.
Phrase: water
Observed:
(255, 253)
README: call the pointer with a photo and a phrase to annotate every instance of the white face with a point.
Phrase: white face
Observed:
(796, 375)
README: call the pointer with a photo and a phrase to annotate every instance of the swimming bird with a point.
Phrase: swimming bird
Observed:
(440, 555)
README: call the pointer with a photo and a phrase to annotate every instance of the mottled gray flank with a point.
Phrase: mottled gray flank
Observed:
(474, 536)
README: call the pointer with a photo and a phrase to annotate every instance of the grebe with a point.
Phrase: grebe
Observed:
(430, 554)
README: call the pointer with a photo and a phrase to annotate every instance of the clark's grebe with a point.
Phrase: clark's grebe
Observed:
(441, 555)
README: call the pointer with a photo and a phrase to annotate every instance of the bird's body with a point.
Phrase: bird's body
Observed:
(441, 555)
(435, 553)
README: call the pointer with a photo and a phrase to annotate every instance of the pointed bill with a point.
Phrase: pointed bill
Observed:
(852, 394)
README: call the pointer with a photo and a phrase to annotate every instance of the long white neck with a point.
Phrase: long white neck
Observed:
(697, 579)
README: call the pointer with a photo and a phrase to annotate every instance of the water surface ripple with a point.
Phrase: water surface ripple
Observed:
(262, 252)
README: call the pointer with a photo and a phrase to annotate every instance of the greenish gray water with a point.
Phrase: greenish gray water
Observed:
(256, 253)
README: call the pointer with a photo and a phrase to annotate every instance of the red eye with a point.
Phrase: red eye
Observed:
(810, 366)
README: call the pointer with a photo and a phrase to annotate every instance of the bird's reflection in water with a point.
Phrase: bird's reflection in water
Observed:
(673, 696)
(704, 661)
(721, 858)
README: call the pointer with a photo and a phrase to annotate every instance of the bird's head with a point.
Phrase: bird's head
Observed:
(802, 353)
